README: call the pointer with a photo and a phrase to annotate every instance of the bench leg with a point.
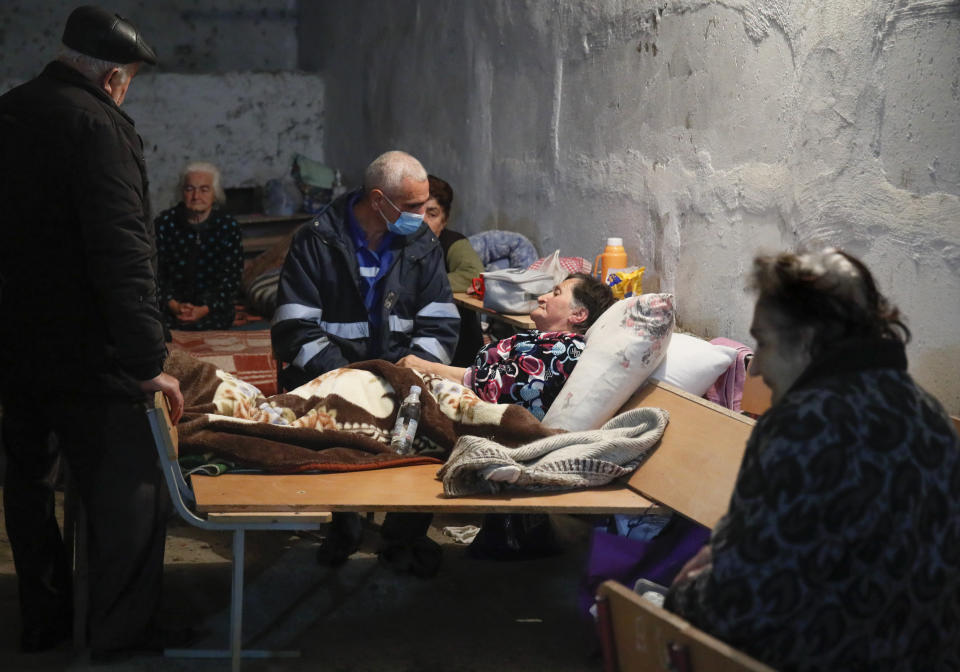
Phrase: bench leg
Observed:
(235, 652)
(236, 599)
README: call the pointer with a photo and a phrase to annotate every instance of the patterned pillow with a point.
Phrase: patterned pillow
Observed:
(623, 347)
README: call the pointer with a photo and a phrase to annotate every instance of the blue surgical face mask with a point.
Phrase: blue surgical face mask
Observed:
(405, 224)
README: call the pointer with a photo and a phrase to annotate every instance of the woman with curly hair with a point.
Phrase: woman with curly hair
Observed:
(841, 546)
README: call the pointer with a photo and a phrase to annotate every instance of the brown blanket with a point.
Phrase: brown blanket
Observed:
(340, 421)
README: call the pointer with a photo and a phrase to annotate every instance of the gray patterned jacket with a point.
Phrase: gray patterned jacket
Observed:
(841, 546)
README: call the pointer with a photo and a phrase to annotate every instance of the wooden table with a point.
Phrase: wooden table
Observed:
(692, 471)
(413, 488)
(471, 302)
(694, 468)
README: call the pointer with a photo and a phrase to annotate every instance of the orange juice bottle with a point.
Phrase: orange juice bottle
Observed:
(613, 256)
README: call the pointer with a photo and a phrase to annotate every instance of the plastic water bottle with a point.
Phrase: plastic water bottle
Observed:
(401, 438)
(613, 256)
(338, 188)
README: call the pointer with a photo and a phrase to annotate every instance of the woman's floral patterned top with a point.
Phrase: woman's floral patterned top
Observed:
(527, 369)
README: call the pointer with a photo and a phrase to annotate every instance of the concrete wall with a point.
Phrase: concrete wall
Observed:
(226, 89)
(249, 124)
(188, 35)
(698, 131)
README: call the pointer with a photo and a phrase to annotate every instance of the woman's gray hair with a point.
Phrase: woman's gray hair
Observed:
(387, 172)
(219, 196)
(828, 290)
(92, 68)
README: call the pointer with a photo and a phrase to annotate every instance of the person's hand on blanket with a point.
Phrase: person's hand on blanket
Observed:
(170, 387)
(695, 565)
(454, 373)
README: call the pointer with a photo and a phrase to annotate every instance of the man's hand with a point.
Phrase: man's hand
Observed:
(170, 387)
(695, 565)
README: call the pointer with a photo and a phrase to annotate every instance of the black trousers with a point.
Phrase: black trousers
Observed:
(110, 452)
(398, 527)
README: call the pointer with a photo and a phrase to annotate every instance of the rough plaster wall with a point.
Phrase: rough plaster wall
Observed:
(188, 35)
(699, 131)
(249, 124)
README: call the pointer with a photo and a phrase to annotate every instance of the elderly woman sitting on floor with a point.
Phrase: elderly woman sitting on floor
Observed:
(199, 254)
(530, 368)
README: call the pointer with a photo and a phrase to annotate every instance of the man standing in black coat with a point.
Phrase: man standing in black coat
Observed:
(81, 341)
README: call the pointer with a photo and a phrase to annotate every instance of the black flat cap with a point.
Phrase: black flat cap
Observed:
(96, 32)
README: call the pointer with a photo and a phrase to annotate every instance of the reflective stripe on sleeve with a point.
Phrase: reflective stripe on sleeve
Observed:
(296, 311)
(433, 346)
(350, 330)
(437, 309)
(309, 351)
(400, 324)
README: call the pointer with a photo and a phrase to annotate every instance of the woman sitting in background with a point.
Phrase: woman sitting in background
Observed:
(530, 368)
(841, 547)
(463, 265)
(199, 254)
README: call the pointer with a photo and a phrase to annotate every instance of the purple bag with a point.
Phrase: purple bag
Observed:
(626, 560)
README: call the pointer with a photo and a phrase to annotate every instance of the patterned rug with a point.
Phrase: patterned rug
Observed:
(246, 354)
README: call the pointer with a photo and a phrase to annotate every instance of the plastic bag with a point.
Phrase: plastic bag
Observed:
(281, 197)
(315, 180)
(626, 282)
(514, 536)
(514, 291)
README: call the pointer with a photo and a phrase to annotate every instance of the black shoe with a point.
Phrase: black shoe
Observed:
(44, 638)
(342, 540)
(420, 557)
(336, 549)
(153, 644)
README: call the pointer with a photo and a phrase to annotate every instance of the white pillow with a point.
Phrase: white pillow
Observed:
(623, 347)
(693, 364)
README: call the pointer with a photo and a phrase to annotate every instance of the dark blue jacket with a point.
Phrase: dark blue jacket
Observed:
(321, 323)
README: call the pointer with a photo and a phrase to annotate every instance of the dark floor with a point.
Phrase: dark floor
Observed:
(475, 616)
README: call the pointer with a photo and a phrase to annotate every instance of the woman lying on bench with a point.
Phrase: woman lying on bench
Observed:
(840, 547)
(528, 369)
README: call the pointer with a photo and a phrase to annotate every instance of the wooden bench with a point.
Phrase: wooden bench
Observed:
(694, 468)
(237, 522)
(693, 472)
(676, 475)
(639, 636)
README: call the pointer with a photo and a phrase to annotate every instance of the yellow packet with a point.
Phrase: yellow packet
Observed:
(626, 282)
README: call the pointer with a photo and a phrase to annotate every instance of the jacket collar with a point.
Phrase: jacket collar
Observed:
(854, 355)
(418, 244)
(64, 73)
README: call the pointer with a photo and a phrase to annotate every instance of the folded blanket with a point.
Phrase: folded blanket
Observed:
(727, 390)
(340, 421)
(559, 462)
